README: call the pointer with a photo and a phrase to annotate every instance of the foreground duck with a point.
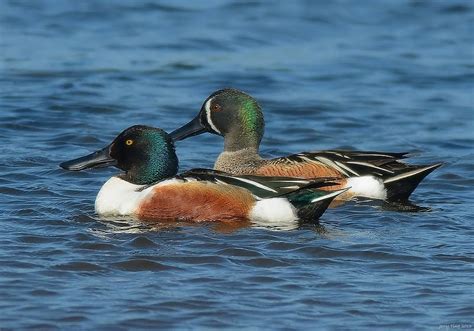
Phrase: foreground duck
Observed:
(149, 188)
(238, 118)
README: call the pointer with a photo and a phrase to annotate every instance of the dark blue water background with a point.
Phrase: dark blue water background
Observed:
(377, 75)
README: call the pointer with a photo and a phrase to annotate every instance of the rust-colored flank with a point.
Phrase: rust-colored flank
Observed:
(302, 170)
(197, 202)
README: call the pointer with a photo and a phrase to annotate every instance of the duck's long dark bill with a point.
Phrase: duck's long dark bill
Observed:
(193, 128)
(97, 159)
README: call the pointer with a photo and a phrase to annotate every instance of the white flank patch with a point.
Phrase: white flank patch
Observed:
(208, 116)
(367, 186)
(274, 211)
(118, 197)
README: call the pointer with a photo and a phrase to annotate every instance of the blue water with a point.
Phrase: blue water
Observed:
(373, 75)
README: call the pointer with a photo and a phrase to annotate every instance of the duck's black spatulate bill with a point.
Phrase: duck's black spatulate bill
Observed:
(193, 128)
(97, 159)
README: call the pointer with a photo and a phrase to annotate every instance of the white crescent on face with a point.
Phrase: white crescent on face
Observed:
(207, 107)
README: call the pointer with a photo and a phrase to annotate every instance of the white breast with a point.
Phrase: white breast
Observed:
(118, 197)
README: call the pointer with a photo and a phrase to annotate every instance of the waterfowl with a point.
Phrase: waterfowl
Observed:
(150, 189)
(238, 118)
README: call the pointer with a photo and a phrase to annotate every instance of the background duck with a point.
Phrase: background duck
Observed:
(149, 188)
(238, 117)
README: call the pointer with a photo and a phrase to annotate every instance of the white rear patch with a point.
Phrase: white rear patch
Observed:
(367, 186)
(274, 211)
(118, 197)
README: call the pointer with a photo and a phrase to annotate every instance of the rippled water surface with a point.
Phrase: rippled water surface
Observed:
(374, 75)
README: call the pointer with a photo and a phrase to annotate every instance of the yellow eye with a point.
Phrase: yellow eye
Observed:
(129, 142)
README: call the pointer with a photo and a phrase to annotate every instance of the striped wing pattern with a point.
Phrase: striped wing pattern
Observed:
(351, 163)
(261, 187)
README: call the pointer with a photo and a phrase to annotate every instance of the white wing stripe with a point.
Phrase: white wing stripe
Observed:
(327, 196)
(221, 182)
(255, 184)
(346, 167)
(369, 154)
(331, 164)
(370, 166)
(406, 174)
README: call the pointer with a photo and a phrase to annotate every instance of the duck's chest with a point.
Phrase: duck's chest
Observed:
(242, 162)
(118, 197)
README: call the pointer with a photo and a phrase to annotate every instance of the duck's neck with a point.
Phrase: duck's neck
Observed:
(240, 138)
(239, 162)
(240, 155)
(152, 168)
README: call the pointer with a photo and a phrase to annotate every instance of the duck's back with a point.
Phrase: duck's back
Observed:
(382, 175)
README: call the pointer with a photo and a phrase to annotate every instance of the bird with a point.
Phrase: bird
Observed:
(148, 187)
(238, 118)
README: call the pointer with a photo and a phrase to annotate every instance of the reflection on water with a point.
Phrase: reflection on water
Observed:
(396, 206)
(120, 225)
(404, 207)
(113, 225)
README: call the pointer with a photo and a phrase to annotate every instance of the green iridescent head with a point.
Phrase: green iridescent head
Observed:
(146, 155)
(230, 113)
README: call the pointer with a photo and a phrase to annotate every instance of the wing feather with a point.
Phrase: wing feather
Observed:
(260, 186)
(349, 163)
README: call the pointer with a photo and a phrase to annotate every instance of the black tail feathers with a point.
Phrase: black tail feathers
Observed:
(400, 186)
(310, 203)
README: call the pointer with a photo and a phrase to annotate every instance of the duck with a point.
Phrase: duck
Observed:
(238, 118)
(148, 187)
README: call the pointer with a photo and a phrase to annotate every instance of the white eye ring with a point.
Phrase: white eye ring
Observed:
(207, 107)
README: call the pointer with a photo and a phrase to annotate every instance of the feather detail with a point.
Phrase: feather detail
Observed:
(196, 201)
(261, 187)
(337, 163)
